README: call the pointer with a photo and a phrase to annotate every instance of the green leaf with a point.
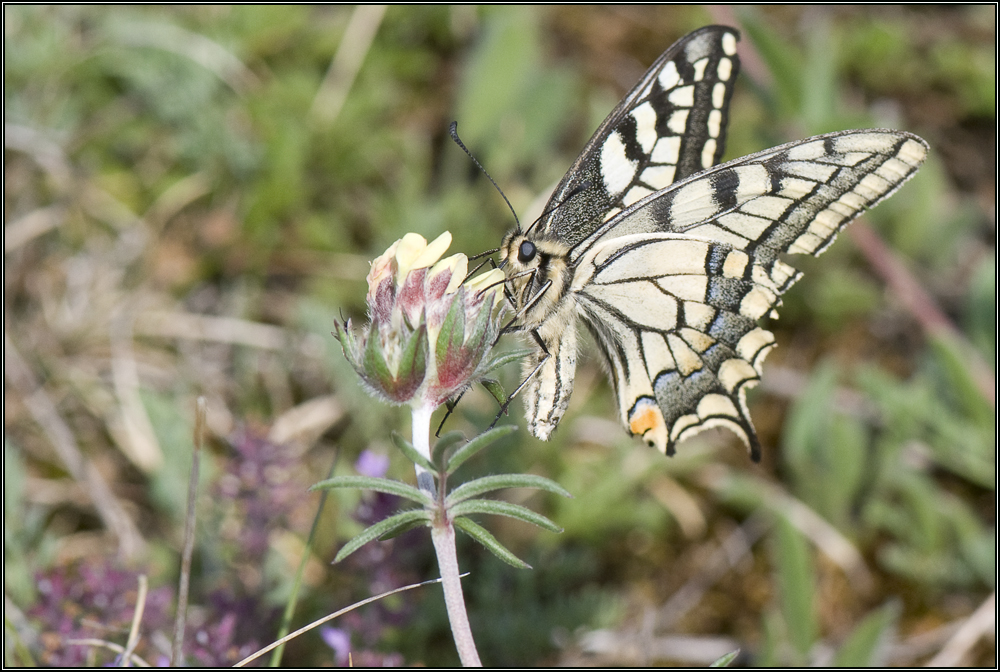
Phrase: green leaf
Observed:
(412, 453)
(444, 443)
(782, 60)
(386, 485)
(862, 647)
(505, 358)
(405, 527)
(500, 70)
(387, 526)
(807, 427)
(490, 483)
(825, 452)
(981, 308)
(980, 552)
(819, 79)
(480, 534)
(725, 660)
(796, 582)
(497, 508)
(962, 382)
(495, 389)
(477, 444)
(343, 333)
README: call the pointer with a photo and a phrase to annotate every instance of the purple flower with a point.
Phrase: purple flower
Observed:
(91, 600)
(257, 491)
(338, 640)
(372, 464)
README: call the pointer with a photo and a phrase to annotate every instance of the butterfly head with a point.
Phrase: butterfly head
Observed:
(538, 274)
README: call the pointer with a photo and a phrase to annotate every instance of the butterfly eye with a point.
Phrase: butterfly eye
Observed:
(526, 252)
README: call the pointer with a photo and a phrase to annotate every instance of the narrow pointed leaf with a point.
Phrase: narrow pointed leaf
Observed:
(506, 358)
(480, 534)
(477, 444)
(725, 660)
(444, 443)
(343, 333)
(412, 453)
(404, 527)
(379, 529)
(495, 389)
(796, 579)
(497, 508)
(490, 483)
(863, 646)
(338, 332)
(377, 484)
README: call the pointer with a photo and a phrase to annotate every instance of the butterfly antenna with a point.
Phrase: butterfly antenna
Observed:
(484, 254)
(453, 130)
(583, 186)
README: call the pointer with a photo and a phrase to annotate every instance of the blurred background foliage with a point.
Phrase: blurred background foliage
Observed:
(191, 198)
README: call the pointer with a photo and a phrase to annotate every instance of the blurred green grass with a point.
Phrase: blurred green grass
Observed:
(176, 161)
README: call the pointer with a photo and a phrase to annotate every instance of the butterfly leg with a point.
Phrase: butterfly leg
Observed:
(506, 329)
(450, 405)
(527, 379)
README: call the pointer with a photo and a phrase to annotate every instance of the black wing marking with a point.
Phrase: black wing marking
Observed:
(670, 126)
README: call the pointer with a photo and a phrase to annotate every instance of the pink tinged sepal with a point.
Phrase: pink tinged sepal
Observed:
(399, 386)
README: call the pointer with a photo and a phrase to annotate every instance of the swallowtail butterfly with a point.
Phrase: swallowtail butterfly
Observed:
(670, 260)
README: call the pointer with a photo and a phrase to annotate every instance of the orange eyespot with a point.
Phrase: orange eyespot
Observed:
(645, 417)
(646, 420)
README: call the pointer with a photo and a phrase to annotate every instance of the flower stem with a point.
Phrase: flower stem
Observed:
(443, 536)
(421, 441)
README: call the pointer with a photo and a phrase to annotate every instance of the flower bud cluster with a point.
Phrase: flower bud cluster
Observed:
(430, 330)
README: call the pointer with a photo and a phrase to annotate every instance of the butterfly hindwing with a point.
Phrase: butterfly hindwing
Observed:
(671, 125)
(676, 318)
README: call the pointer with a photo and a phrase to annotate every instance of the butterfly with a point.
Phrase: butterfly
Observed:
(670, 260)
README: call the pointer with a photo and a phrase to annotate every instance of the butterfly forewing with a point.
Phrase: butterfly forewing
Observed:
(671, 125)
(794, 198)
